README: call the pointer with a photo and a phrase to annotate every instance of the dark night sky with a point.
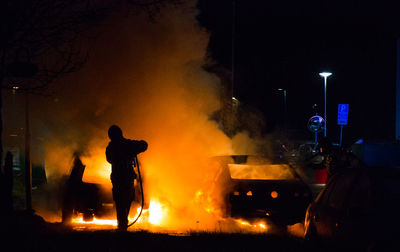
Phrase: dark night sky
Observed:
(285, 44)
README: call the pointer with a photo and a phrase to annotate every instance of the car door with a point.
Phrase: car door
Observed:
(330, 207)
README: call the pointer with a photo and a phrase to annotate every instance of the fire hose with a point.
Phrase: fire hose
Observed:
(136, 162)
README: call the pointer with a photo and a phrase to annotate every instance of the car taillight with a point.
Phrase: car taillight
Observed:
(249, 193)
(236, 193)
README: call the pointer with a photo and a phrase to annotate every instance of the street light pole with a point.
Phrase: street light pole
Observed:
(28, 162)
(285, 106)
(325, 75)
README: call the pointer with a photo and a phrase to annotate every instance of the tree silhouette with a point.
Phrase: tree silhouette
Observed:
(43, 40)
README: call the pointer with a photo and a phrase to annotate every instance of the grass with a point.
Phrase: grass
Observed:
(144, 241)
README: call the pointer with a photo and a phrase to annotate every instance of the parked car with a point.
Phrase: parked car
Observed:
(259, 188)
(79, 197)
(357, 209)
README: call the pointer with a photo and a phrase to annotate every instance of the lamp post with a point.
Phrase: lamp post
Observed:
(325, 75)
(285, 106)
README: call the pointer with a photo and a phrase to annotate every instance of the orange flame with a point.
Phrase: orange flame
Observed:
(154, 215)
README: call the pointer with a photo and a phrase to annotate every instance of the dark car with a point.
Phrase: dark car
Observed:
(259, 188)
(88, 199)
(357, 209)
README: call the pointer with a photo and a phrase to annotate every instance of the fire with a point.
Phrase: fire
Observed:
(156, 213)
(260, 226)
(156, 216)
(97, 169)
(163, 95)
(95, 221)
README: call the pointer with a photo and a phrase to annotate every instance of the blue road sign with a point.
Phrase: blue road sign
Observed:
(343, 114)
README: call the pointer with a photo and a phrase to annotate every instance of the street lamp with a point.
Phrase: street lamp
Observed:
(235, 103)
(325, 75)
(285, 105)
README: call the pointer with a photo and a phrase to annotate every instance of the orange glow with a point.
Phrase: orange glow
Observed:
(104, 222)
(274, 194)
(156, 213)
(260, 226)
(260, 171)
(97, 169)
(156, 89)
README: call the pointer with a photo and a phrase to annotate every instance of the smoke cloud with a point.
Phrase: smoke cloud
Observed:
(146, 77)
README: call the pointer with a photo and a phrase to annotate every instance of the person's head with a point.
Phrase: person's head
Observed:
(115, 133)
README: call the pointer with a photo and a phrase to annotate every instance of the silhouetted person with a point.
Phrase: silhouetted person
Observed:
(121, 154)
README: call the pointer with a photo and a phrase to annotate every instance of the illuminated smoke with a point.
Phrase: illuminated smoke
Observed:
(147, 77)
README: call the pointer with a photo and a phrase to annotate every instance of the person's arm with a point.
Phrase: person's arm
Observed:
(138, 146)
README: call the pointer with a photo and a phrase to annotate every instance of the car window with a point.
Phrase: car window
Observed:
(264, 172)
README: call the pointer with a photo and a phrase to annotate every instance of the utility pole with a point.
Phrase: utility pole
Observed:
(28, 163)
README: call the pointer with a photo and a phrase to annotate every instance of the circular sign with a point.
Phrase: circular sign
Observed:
(316, 124)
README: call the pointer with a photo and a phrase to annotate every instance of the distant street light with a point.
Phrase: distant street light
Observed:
(325, 75)
(285, 106)
(235, 103)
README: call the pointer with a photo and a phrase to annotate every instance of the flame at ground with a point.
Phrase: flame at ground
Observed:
(154, 215)
(260, 226)
(95, 221)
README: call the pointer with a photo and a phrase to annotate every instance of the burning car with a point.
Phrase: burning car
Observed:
(259, 188)
(79, 197)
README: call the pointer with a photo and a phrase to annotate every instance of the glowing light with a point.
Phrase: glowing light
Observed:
(199, 194)
(79, 220)
(97, 168)
(325, 74)
(249, 193)
(156, 213)
(261, 226)
(274, 194)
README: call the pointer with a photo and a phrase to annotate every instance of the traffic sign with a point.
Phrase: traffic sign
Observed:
(343, 114)
(316, 124)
